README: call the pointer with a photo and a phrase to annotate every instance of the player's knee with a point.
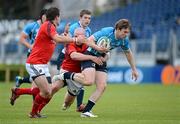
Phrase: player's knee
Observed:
(79, 77)
(47, 93)
(88, 81)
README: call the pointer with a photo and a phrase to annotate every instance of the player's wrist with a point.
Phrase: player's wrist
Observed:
(134, 69)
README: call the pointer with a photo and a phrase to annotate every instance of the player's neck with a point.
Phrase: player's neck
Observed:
(82, 25)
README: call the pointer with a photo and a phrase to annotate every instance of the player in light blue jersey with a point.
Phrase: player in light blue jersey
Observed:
(27, 38)
(118, 37)
(109, 32)
(84, 21)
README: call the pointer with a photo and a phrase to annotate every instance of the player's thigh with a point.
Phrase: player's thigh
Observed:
(38, 73)
(101, 79)
(88, 70)
(89, 74)
(43, 84)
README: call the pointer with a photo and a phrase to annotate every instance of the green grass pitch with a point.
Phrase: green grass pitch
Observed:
(120, 104)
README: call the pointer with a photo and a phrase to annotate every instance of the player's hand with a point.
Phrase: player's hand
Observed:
(97, 60)
(135, 75)
(103, 49)
(66, 29)
(103, 59)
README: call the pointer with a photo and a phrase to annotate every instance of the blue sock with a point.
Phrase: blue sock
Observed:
(80, 97)
(89, 106)
(25, 80)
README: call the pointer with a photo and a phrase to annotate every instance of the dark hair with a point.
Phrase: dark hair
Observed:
(52, 13)
(43, 12)
(84, 11)
(122, 24)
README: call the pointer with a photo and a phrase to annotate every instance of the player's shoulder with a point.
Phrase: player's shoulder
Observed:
(74, 25)
(107, 29)
(30, 25)
(47, 26)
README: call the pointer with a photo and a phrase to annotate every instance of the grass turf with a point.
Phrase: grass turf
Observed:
(120, 104)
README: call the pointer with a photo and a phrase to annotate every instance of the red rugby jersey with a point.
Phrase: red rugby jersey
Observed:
(69, 64)
(44, 46)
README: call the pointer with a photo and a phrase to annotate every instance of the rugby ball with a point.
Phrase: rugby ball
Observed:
(104, 42)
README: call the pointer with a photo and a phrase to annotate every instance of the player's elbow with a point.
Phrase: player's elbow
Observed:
(22, 39)
(75, 56)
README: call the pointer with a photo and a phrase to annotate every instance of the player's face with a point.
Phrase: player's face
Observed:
(85, 20)
(80, 34)
(120, 34)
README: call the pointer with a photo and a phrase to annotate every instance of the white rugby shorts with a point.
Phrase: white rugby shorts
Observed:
(72, 86)
(35, 70)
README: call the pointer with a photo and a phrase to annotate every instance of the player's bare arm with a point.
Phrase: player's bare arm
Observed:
(23, 40)
(66, 39)
(82, 57)
(62, 39)
(131, 61)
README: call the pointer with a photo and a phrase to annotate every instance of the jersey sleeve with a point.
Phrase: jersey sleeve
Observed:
(125, 46)
(99, 34)
(28, 28)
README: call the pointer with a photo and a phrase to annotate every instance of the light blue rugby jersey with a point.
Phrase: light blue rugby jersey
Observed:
(77, 25)
(31, 31)
(110, 33)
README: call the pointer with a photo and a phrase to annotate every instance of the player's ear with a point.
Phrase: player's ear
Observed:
(58, 18)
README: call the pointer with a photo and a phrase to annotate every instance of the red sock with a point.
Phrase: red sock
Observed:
(32, 91)
(43, 104)
(35, 91)
(37, 102)
(21, 91)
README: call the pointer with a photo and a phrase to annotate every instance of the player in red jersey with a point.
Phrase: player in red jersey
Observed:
(36, 64)
(30, 31)
(41, 54)
(72, 63)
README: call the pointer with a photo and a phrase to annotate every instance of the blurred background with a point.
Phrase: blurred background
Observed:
(155, 35)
